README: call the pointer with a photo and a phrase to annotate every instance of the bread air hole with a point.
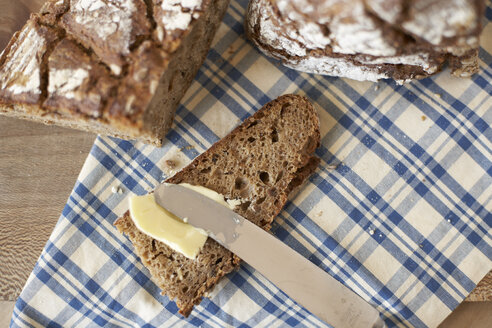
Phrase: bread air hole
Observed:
(240, 183)
(283, 109)
(274, 135)
(251, 139)
(264, 177)
(205, 170)
(252, 124)
(244, 206)
(279, 176)
(260, 200)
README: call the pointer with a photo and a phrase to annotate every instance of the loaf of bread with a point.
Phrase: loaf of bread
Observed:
(260, 162)
(117, 68)
(369, 39)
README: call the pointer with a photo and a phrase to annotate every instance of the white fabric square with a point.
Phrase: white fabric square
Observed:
(434, 309)
(327, 215)
(221, 120)
(47, 301)
(144, 304)
(264, 79)
(371, 168)
(466, 171)
(412, 123)
(89, 256)
(424, 216)
(383, 263)
(241, 306)
(474, 265)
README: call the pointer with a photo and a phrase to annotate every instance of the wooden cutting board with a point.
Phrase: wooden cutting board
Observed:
(12, 17)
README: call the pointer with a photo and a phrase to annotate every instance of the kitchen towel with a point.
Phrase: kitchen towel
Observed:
(399, 210)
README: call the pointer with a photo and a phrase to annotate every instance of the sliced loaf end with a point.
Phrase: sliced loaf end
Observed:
(118, 68)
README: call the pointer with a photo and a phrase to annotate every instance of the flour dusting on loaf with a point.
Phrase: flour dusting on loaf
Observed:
(66, 81)
(20, 76)
(369, 40)
(109, 28)
(176, 15)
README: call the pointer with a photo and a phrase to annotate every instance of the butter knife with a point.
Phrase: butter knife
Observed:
(299, 278)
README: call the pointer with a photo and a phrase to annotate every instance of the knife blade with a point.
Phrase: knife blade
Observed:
(299, 278)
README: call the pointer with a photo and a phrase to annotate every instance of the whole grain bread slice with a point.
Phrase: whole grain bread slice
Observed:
(261, 162)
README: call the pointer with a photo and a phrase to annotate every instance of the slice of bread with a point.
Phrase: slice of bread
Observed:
(261, 162)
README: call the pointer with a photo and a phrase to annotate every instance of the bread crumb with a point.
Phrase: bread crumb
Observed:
(231, 50)
(180, 274)
(170, 163)
(376, 87)
(371, 232)
(319, 213)
(186, 148)
(332, 166)
(424, 117)
(116, 190)
(437, 95)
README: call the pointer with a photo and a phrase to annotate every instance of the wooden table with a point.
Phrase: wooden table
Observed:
(38, 168)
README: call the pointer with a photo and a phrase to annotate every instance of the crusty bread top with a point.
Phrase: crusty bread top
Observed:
(369, 40)
(261, 162)
(96, 59)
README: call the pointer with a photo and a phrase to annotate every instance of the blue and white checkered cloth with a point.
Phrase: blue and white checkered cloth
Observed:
(399, 209)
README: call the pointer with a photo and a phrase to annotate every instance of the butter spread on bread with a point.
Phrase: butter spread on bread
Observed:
(162, 225)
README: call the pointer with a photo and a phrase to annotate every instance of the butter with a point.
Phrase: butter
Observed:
(160, 224)
(155, 221)
(231, 203)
